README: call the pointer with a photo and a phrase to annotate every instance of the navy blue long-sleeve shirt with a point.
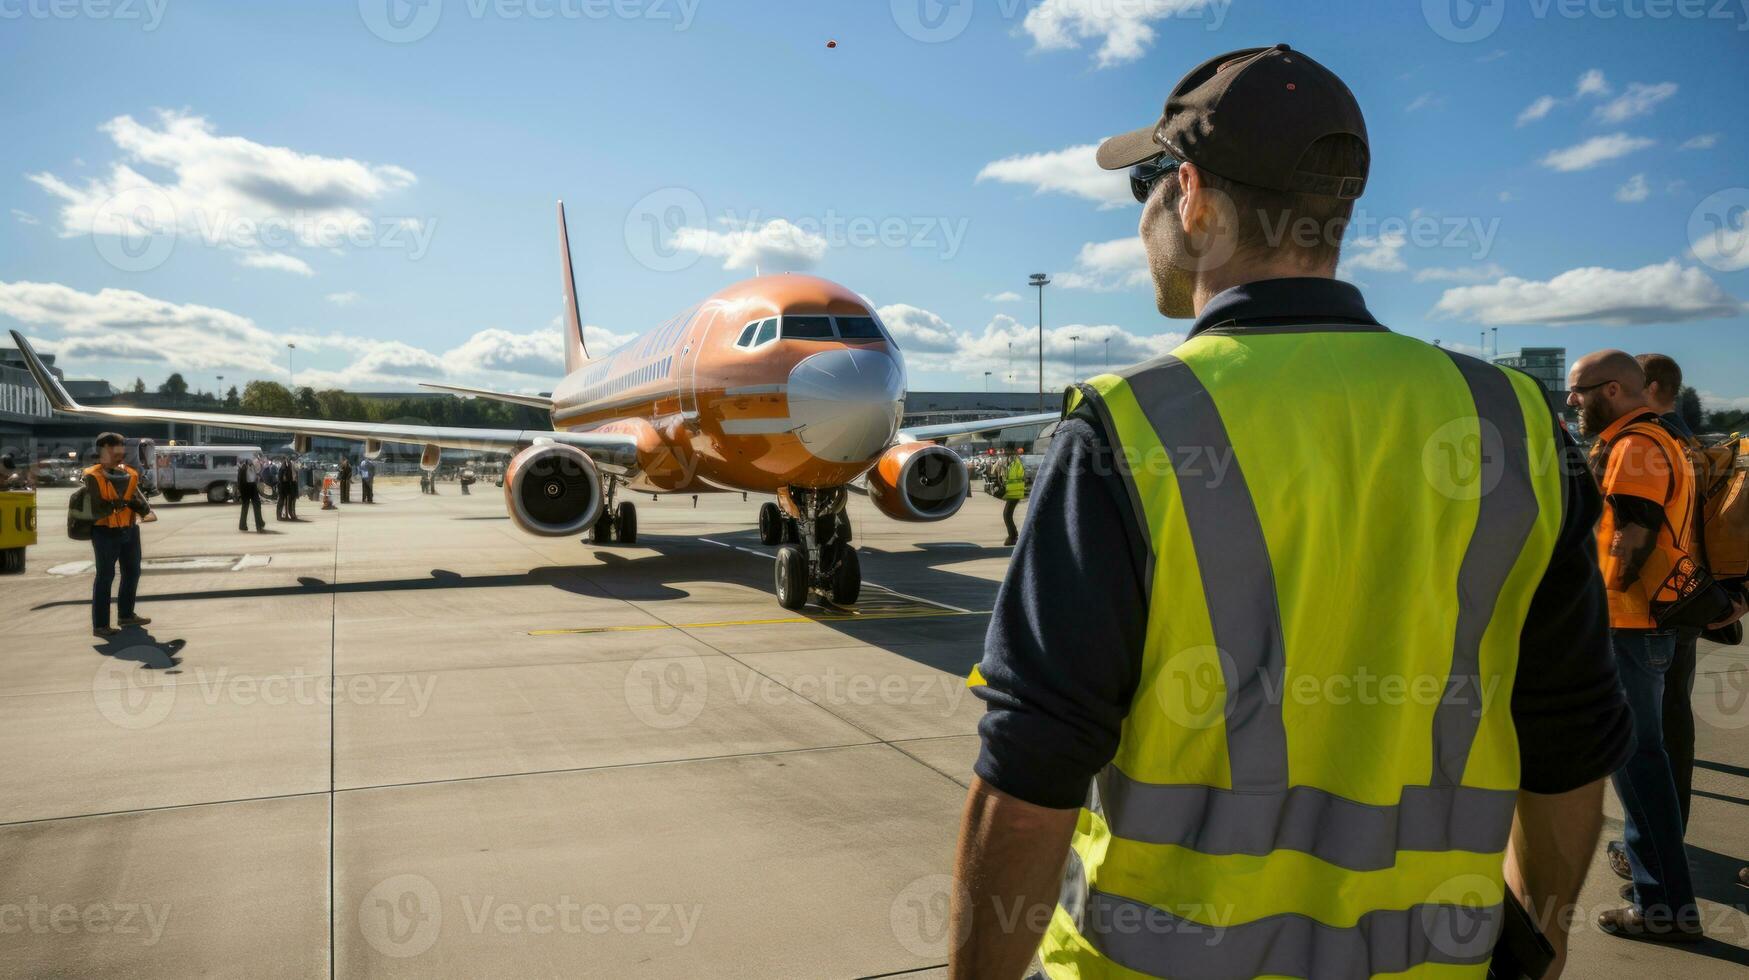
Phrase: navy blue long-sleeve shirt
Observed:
(1063, 656)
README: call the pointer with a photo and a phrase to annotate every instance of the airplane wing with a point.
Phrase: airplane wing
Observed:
(961, 431)
(611, 450)
(532, 401)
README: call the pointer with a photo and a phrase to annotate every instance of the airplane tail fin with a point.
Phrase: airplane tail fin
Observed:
(575, 352)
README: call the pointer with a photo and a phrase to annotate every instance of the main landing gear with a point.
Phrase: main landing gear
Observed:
(816, 556)
(615, 523)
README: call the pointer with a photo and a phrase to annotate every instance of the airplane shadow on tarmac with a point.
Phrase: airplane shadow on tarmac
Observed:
(955, 634)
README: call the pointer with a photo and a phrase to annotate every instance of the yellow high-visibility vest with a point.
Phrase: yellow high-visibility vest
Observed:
(1319, 768)
(1014, 480)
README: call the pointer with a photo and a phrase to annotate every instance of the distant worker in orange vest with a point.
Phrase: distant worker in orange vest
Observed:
(1656, 588)
(113, 487)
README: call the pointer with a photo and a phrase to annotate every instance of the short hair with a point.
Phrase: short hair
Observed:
(1663, 371)
(1310, 226)
(110, 439)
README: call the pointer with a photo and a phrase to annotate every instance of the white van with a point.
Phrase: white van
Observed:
(183, 471)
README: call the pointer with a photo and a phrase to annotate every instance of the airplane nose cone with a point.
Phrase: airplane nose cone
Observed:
(845, 404)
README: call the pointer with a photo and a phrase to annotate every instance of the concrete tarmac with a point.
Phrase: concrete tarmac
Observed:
(407, 739)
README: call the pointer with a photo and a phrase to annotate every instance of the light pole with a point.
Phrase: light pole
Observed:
(291, 376)
(1108, 355)
(986, 382)
(1011, 362)
(1074, 358)
(1041, 280)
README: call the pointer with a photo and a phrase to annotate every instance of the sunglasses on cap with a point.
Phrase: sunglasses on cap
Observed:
(1144, 175)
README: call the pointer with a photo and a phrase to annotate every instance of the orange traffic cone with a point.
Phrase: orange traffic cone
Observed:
(328, 493)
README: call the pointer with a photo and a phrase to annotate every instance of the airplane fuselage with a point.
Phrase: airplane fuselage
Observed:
(776, 381)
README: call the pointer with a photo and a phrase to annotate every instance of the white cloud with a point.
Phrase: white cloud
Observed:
(1638, 100)
(24, 217)
(776, 245)
(1465, 273)
(122, 325)
(1664, 293)
(1426, 100)
(1724, 403)
(1538, 109)
(1724, 248)
(1704, 141)
(1494, 55)
(1108, 266)
(1634, 191)
(1010, 348)
(1591, 84)
(346, 298)
(1124, 27)
(225, 190)
(1598, 149)
(1006, 296)
(917, 330)
(278, 261)
(1381, 254)
(1505, 197)
(1072, 171)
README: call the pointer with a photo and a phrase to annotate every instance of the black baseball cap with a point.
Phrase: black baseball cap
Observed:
(1250, 116)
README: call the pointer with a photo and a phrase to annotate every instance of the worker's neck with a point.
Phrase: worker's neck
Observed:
(1212, 282)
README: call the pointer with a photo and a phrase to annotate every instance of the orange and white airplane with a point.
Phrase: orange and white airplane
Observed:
(783, 384)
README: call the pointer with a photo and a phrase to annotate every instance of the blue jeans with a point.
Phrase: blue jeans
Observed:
(1647, 785)
(113, 545)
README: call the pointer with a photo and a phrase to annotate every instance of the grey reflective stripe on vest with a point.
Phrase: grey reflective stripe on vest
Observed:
(1237, 575)
(1149, 940)
(1343, 832)
(1145, 939)
(1506, 512)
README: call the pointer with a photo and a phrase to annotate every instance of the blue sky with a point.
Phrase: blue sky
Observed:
(189, 186)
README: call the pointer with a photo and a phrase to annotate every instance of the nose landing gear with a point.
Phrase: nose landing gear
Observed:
(820, 560)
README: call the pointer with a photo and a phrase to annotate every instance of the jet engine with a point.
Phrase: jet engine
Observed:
(553, 490)
(918, 481)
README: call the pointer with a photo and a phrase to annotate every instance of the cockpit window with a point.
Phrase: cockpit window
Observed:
(747, 334)
(858, 328)
(767, 330)
(807, 328)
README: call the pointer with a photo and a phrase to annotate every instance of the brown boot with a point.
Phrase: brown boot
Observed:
(1630, 923)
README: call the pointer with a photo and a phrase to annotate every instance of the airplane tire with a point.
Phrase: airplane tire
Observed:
(847, 577)
(791, 533)
(791, 570)
(601, 532)
(770, 524)
(627, 524)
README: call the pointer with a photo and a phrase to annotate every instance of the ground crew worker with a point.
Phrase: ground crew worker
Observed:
(1663, 388)
(113, 487)
(1013, 492)
(346, 479)
(1238, 674)
(1646, 543)
(249, 493)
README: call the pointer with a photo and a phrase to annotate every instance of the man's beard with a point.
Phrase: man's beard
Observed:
(1592, 419)
(1174, 283)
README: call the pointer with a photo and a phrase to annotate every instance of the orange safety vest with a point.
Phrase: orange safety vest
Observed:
(106, 489)
(1671, 571)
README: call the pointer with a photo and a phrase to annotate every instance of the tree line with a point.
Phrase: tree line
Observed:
(273, 398)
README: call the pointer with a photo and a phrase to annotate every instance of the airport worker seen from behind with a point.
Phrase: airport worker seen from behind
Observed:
(1013, 492)
(1305, 614)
